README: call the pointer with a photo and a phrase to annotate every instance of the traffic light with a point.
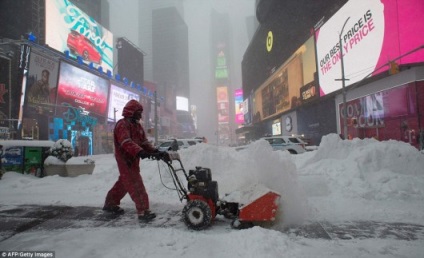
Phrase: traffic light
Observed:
(394, 68)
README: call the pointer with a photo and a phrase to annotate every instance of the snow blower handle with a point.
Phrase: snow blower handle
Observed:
(155, 155)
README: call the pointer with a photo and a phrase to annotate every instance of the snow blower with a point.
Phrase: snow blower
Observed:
(257, 204)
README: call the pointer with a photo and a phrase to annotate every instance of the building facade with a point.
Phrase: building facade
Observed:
(303, 69)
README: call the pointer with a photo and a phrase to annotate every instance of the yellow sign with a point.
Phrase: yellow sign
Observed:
(269, 41)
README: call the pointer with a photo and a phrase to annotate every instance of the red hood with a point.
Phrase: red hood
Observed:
(131, 107)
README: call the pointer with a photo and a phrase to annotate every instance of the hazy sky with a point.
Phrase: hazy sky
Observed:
(126, 14)
(197, 16)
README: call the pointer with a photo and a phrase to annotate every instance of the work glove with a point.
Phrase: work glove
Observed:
(165, 156)
(144, 155)
(161, 155)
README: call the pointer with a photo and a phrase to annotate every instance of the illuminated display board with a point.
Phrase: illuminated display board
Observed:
(376, 32)
(221, 70)
(182, 103)
(83, 90)
(284, 90)
(223, 105)
(239, 109)
(118, 98)
(69, 28)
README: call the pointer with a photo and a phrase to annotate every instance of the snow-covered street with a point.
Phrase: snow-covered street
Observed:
(367, 196)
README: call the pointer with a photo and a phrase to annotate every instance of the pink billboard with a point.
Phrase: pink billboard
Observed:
(374, 110)
(375, 33)
(239, 111)
(83, 90)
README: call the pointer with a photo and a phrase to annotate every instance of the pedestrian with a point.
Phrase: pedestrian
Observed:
(131, 144)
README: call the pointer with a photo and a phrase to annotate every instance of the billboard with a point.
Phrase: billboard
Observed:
(182, 103)
(223, 105)
(285, 89)
(130, 61)
(375, 32)
(239, 108)
(118, 98)
(82, 90)
(281, 92)
(375, 109)
(40, 96)
(276, 127)
(70, 29)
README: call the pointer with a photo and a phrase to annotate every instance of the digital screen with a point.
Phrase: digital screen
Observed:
(69, 28)
(118, 98)
(375, 32)
(182, 103)
(276, 128)
(223, 105)
(80, 89)
(375, 109)
(239, 106)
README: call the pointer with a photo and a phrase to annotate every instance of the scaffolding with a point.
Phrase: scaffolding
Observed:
(38, 20)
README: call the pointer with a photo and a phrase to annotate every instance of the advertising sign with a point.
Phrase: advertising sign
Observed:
(118, 99)
(308, 92)
(375, 32)
(69, 28)
(182, 103)
(373, 110)
(13, 158)
(223, 105)
(82, 90)
(239, 106)
(41, 84)
(276, 127)
(281, 92)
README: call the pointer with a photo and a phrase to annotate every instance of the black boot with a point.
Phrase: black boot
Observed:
(147, 216)
(114, 210)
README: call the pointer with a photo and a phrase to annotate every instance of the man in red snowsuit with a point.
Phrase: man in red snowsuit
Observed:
(130, 144)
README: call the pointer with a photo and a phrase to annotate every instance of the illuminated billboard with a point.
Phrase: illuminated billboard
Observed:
(118, 98)
(182, 103)
(223, 105)
(375, 32)
(239, 109)
(70, 29)
(285, 89)
(82, 90)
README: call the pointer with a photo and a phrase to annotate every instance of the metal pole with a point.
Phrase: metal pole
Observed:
(156, 118)
(343, 79)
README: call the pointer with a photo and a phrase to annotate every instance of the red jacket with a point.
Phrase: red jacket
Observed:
(130, 138)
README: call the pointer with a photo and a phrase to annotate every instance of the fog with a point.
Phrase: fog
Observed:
(197, 16)
(126, 14)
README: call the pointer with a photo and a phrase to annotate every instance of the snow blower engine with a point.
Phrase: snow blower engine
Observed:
(203, 203)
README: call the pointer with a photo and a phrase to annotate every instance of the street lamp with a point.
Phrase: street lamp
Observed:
(343, 79)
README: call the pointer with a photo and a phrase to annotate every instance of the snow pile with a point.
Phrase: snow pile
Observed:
(355, 174)
(368, 168)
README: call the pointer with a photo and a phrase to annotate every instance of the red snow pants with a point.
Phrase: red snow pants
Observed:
(130, 182)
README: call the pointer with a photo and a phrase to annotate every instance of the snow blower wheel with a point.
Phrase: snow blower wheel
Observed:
(197, 215)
